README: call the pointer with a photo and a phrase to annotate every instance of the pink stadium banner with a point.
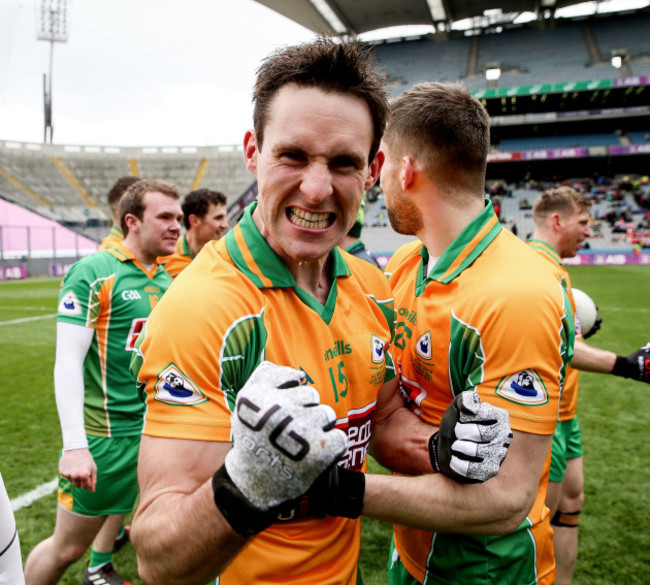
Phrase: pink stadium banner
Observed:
(613, 259)
(12, 272)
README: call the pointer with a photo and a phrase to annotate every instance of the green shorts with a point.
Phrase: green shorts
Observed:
(117, 479)
(567, 444)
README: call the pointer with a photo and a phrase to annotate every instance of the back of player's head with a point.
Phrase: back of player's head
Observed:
(118, 189)
(563, 200)
(133, 200)
(327, 64)
(198, 202)
(446, 128)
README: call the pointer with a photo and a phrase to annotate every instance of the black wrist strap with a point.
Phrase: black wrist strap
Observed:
(347, 500)
(243, 517)
(433, 452)
(623, 368)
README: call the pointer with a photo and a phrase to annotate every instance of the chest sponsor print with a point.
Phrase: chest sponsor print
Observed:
(173, 387)
(525, 387)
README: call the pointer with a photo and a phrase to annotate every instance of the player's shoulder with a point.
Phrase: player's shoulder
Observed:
(369, 275)
(403, 256)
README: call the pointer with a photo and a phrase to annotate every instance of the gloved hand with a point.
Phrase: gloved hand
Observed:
(283, 439)
(473, 440)
(336, 492)
(635, 366)
(597, 323)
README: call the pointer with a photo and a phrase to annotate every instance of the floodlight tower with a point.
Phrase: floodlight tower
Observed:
(53, 27)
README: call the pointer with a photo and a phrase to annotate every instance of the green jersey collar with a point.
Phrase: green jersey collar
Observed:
(252, 255)
(546, 249)
(184, 247)
(463, 251)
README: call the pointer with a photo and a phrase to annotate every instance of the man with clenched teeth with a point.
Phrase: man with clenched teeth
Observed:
(278, 342)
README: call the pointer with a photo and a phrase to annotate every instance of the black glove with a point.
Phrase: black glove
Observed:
(597, 323)
(473, 440)
(336, 492)
(635, 366)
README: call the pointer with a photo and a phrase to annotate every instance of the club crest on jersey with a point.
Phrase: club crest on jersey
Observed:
(423, 346)
(173, 387)
(378, 345)
(525, 387)
(69, 304)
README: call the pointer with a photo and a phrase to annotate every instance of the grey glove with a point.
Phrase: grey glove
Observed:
(283, 437)
(473, 440)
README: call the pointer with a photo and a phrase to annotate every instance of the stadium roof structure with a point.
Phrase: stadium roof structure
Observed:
(354, 17)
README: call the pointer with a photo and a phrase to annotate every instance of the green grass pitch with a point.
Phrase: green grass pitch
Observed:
(614, 415)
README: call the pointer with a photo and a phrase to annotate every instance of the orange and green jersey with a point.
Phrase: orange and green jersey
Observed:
(487, 318)
(112, 293)
(569, 402)
(236, 305)
(114, 239)
(180, 259)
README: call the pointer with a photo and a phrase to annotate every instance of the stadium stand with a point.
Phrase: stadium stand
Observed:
(69, 183)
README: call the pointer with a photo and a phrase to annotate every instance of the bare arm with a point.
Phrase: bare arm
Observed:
(179, 535)
(439, 504)
(592, 359)
(400, 439)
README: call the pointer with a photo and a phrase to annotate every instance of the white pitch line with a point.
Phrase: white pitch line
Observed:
(26, 319)
(23, 308)
(45, 489)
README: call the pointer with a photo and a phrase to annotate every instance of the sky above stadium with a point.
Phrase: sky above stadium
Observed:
(139, 73)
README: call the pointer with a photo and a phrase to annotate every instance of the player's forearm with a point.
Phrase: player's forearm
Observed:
(439, 504)
(592, 359)
(400, 443)
(182, 539)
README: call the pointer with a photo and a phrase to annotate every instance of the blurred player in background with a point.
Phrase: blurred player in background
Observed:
(113, 198)
(104, 301)
(277, 288)
(463, 295)
(205, 219)
(561, 217)
(352, 243)
(11, 563)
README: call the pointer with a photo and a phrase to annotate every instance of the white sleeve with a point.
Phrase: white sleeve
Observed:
(72, 344)
(11, 564)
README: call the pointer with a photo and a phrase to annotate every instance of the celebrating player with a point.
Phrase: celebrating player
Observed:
(477, 311)
(277, 288)
(104, 301)
(561, 219)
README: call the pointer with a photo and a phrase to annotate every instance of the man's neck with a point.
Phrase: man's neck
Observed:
(140, 254)
(443, 221)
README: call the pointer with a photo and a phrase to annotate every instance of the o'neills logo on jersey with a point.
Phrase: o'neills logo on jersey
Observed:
(525, 387)
(69, 304)
(340, 348)
(423, 346)
(173, 387)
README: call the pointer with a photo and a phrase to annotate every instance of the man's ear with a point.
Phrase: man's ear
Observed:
(374, 170)
(131, 221)
(407, 172)
(250, 151)
(194, 220)
(556, 221)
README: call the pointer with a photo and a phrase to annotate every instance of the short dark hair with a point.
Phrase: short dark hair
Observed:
(118, 189)
(198, 202)
(133, 200)
(327, 64)
(563, 200)
(446, 127)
